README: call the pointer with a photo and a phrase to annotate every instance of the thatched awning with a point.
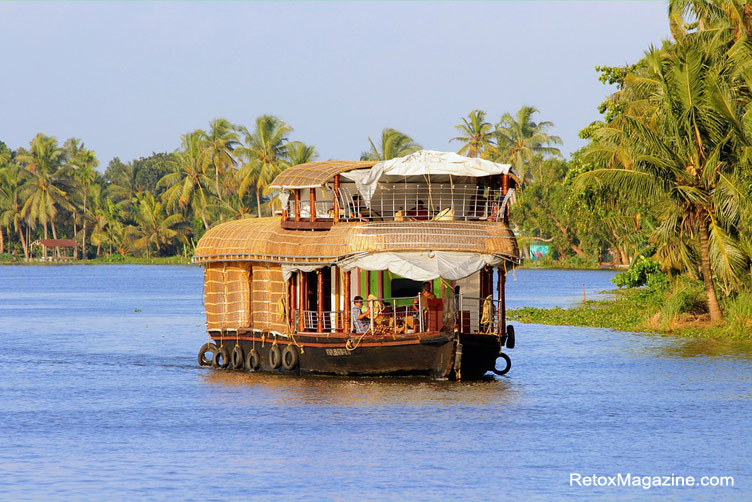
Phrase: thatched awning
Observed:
(315, 174)
(263, 239)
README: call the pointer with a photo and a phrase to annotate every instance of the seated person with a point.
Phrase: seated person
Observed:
(426, 294)
(419, 213)
(359, 211)
(359, 317)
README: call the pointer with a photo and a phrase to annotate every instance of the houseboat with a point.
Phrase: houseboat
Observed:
(370, 268)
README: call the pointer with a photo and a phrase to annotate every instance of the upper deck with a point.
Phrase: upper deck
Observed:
(335, 210)
(425, 186)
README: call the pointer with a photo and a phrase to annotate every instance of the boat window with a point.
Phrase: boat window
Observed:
(405, 287)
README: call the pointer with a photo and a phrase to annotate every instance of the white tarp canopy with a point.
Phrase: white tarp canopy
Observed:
(424, 163)
(425, 265)
(415, 265)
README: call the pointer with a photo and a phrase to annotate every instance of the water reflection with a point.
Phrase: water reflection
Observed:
(707, 347)
(370, 392)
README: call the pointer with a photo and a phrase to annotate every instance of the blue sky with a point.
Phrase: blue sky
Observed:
(130, 78)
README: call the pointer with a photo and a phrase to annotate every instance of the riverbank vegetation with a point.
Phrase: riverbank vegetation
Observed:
(672, 155)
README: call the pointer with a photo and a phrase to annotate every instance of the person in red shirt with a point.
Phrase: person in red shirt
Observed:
(419, 213)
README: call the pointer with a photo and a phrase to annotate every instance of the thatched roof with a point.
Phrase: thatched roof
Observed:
(263, 239)
(315, 174)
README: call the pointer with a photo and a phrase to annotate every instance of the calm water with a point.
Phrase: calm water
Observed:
(101, 399)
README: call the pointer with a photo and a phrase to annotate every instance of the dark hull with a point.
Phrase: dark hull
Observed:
(433, 355)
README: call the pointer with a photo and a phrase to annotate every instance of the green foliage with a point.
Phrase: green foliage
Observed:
(641, 272)
(739, 315)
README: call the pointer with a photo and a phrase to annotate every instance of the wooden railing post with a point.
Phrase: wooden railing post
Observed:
(293, 300)
(313, 204)
(346, 287)
(301, 301)
(336, 199)
(319, 300)
(297, 204)
(501, 278)
(504, 190)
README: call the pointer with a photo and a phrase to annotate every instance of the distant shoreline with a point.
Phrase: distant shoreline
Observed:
(128, 260)
(179, 260)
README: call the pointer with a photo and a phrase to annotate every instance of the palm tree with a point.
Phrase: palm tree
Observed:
(188, 185)
(521, 141)
(218, 145)
(477, 134)
(681, 144)
(731, 16)
(11, 205)
(393, 144)
(154, 226)
(43, 190)
(300, 153)
(81, 167)
(265, 155)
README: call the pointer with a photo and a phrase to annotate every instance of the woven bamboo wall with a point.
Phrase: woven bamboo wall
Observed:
(269, 290)
(227, 295)
(258, 238)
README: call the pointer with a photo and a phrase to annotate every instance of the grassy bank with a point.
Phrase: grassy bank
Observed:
(674, 312)
(114, 259)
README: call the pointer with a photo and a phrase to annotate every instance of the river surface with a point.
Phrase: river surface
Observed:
(101, 398)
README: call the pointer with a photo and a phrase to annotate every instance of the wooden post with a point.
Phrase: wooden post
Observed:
(503, 302)
(336, 199)
(320, 300)
(313, 205)
(504, 190)
(297, 204)
(293, 299)
(302, 301)
(346, 287)
(500, 306)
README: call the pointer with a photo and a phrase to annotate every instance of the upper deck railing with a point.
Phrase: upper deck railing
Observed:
(404, 202)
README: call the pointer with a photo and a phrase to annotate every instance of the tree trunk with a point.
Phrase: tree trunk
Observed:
(216, 171)
(23, 242)
(2, 240)
(203, 218)
(75, 233)
(83, 239)
(577, 250)
(258, 201)
(54, 236)
(44, 248)
(707, 275)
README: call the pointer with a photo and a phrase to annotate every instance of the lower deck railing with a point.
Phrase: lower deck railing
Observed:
(401, 315)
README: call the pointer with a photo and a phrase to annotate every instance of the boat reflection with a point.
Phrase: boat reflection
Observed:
(370, 392)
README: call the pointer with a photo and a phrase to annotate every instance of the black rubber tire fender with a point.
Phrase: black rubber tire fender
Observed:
(275, 357)
(510, 337)
(224, 355)
(508, 367)
(237, 357)
(252, 361)
(290, 358)
(210, 348)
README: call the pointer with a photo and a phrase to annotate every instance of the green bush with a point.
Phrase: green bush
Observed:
(739, 315)
(642, 271)
(687, 296)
